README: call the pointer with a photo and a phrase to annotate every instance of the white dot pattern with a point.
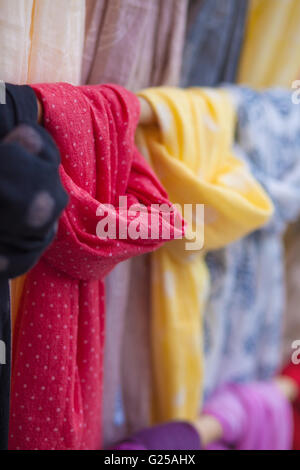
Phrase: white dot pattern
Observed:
(58, 366)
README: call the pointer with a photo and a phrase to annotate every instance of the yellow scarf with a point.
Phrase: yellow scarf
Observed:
(191, 152)
(271, 51)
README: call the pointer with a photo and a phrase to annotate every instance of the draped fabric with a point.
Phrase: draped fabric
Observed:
(41, 40)
(215, 33)
(59, 333)
(135, 43)
(243, 318)
(256, 416)
(270, 55)
(191, 152)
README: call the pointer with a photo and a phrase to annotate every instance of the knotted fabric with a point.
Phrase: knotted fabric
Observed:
(191, 151)
(59, 331)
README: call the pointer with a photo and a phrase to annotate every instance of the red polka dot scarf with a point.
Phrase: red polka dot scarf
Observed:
(59, 330)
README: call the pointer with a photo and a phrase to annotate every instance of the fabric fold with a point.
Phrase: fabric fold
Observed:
(244, 315)
(59, 332)
(31, 200)
(270, 54)
(134, 43)
(176, 435)
(191, 152)
(41, 40)
(255, 416)
(214, 39)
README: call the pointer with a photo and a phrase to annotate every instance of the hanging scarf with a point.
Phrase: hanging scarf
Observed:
(41, 40)
(191, 152)
(215, 33)
(134, 43)
(243, 318)
(58, 340)
(270, 55)
(253, 417)
(31, 199)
